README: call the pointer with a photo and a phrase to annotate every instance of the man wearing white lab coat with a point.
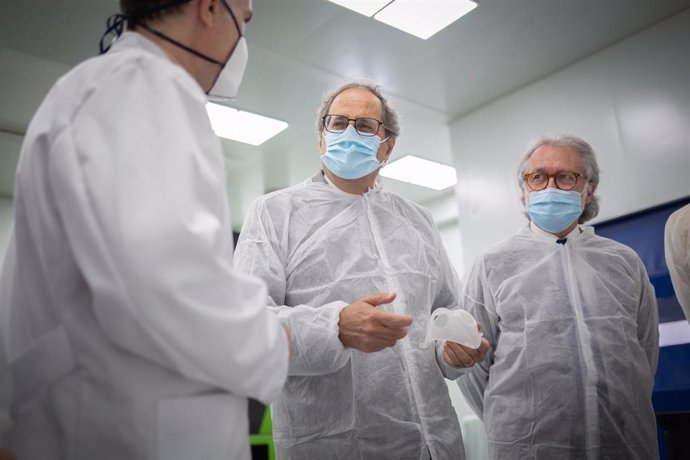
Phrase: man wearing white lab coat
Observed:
(127, 331)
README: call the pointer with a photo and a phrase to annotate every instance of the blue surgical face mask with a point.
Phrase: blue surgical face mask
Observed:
(349, 155)
(554, 210)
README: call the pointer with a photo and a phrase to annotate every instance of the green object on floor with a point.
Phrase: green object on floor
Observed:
(265, 435)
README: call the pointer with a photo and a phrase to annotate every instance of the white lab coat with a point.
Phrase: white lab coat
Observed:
(319, 249)
(677, 250)
(129, 334)
(574, 343)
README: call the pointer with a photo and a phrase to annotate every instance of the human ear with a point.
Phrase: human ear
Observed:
(206, 11)
(390, 143)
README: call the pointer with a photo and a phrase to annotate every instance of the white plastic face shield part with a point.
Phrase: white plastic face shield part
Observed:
(455, 325)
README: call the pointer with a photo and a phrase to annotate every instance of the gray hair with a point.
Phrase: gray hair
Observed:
(588, 159)
(389, 117)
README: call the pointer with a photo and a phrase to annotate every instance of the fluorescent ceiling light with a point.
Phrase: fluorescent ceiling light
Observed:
(365, 7)
(423, 18)
(241, 126)
(422, 172)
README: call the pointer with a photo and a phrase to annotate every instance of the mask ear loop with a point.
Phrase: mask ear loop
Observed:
(384, 162)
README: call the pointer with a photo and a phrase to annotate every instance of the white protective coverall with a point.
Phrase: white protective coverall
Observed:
(573, 333)
(129, 334)
(318, 249)
(677, 249)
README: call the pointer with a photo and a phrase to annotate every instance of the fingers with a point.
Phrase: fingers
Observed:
(460, 356)
(474, 353)
(456, 359)
(384, 318)
(380, 298)
(456, 355)
(370, 343)
(392, 320)
(391, 333)
(483, 347)
(366, 328)
(387, 326)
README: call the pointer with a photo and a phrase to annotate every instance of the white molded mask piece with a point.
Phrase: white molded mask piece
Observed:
(455, 325)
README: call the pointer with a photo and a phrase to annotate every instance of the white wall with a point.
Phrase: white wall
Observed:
(10, 145)
(245, 183)
(631, 101)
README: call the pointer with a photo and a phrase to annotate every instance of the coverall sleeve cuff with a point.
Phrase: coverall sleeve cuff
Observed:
(337, 307)
(316, 348)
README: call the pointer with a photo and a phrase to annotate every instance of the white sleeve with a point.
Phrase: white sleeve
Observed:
(677, 252)
(316, 348)
(140, 183)
(648, 321)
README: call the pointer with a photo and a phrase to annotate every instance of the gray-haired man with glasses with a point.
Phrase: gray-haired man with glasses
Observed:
(572, 323)
(360, 384)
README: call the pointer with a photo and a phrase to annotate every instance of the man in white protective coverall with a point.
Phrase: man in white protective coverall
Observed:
(360, 385)
(128, 333)
(677, 252)
(572, 321)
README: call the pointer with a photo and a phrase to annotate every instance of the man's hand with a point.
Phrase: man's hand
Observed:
(366, 328)
(6, 455)
(461, 356)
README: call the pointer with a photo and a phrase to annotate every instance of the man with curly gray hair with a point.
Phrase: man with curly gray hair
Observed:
(572, 323)
(355, 273)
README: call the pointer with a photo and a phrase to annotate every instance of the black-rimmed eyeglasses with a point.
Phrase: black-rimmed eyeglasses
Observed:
(364, 125)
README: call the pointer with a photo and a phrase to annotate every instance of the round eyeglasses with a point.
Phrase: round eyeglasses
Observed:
(364, 125)
(565, 180)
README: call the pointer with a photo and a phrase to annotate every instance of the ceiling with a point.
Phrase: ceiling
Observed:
(301, 48)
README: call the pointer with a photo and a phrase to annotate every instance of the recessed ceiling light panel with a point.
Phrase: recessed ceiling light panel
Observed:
(423, 18)
(241, 126)
(419, 171)
(365, 7)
